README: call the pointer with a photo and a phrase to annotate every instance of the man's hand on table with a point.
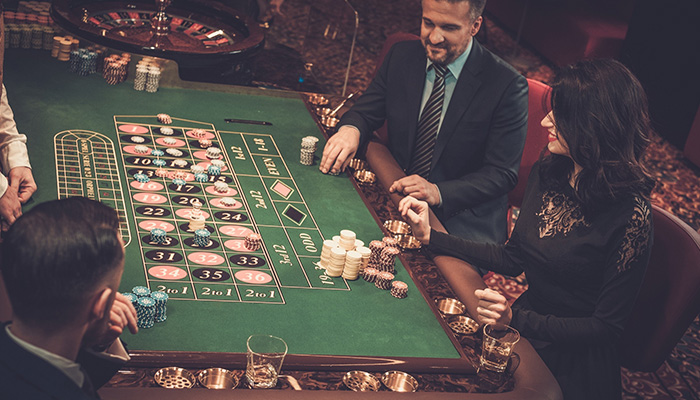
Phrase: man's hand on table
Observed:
(416, 186)
(340, 149)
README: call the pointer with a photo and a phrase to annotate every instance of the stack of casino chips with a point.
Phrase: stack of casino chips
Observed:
(37, 37)
(83, 61)
(201, 177)
(131, 297)
(141, 149)
(140, 77)
(213, 153)
(145, 312)
(308, 150)
(344, 256)
(353, 261)
(370, 274)
(174, 152)
(204, 143)
(399, 289)
(47, 38)
(153, 79)
(158, 235)
(227, 201)
(253, 241)
(328, 245)
(179, 182)
(201, 237)
(196, 218)
(376, 247)
(14, 33)
(142, 178)
(150, 306)
(214, 170)
(161, 300)
(198, 132)
(64, 49)
(383, 280)
(387, 258)
(336, 262)
(25, 37)
(115, 68)
(390, 242)
(221, 187)
(347, 239)
(164, 119)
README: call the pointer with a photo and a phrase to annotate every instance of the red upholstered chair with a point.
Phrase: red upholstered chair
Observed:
(535, 140)
(669, 299)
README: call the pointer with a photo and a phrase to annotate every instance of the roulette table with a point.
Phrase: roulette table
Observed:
(81, 142)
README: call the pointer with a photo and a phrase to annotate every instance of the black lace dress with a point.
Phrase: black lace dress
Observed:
(583, 276)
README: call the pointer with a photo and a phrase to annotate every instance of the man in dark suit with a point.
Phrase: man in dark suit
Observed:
(62, 262)
(471, 157)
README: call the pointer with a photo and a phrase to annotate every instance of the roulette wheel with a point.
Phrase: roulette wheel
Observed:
(208, 40)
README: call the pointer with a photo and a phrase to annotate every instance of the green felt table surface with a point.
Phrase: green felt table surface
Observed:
(48, 99)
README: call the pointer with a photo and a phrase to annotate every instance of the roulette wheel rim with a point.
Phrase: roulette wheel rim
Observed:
(199, 32)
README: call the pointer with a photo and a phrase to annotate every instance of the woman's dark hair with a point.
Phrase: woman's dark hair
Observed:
(600, 109)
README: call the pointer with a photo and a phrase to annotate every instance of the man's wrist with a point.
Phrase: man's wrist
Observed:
(439, 195)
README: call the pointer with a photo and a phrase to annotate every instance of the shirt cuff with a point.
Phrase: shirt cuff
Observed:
(3, 185)
(14, 154)
(116, 351)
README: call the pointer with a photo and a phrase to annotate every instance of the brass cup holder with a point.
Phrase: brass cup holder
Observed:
(450, 306)
(361, 381)
(356, 164)
(217, 378)
(408, 242)
(318, 100)
(328, 121)
(399, 381)
(365, 177)
(397, 227)
(174, 378)
(323, 111)
(463, 325)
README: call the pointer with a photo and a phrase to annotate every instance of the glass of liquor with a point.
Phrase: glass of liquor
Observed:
(265, 356)
(496, 346)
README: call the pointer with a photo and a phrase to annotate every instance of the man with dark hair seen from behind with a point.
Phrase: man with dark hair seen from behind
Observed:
(62, 262)
(456, 119)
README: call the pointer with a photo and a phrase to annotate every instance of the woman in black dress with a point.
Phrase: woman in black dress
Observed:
(584, 231)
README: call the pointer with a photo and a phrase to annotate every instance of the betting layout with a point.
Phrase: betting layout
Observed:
(86, 166)
(194, 209)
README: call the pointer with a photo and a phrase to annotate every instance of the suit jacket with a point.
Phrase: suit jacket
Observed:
(23, 375)
(478, 149)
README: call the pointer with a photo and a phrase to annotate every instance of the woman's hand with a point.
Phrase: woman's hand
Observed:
(417, 213)
(493, 308)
